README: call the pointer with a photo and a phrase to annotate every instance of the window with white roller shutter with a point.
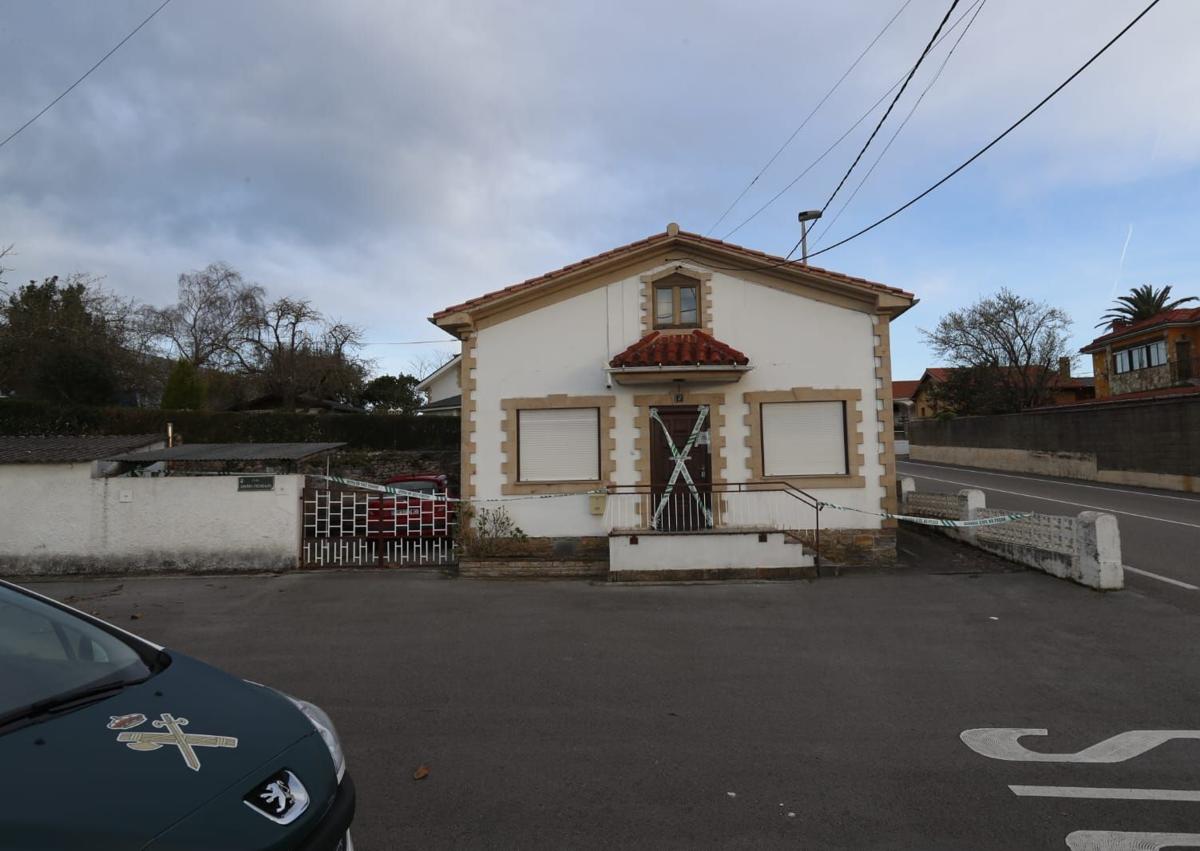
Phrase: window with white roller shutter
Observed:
(558, 445)
(804, 438)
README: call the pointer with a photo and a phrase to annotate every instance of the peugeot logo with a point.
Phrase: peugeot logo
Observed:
(282, 798)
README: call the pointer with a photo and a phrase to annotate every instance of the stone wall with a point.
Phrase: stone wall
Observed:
(852, 547)
(1154, 443)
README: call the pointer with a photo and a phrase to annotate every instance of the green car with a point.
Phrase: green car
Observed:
(110, 742)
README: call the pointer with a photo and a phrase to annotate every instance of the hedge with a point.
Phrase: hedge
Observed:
(359, 431)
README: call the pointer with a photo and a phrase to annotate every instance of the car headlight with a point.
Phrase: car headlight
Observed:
(317, 717)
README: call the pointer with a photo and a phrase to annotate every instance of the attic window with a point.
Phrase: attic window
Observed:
(677, 302)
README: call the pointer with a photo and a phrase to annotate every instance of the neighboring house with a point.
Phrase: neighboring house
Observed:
(902, 411)
(700, 384)
(902, 403)
(1161, 353)
(1062, 387)
(442, 388)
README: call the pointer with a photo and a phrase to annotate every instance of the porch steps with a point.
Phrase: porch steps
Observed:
(721, 554)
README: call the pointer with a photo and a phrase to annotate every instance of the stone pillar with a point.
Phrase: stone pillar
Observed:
(970, 500)
(907, 485)
(1098, 551)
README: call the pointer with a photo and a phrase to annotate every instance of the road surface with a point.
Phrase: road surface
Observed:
(1160, 530)
(826, 715)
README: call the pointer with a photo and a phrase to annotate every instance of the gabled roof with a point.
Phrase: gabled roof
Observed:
(1179, 316)
(58, 449)
(755, 261)
(453, 363)
(905, 389)
(450, 403)
(694, 348)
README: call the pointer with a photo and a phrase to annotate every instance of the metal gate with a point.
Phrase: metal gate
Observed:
(345, 527)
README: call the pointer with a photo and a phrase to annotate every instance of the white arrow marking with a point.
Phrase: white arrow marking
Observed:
(1001, 743)
(1112, 840)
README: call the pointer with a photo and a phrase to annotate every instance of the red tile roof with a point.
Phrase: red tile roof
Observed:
(905, 389)
(1186, 315)
(692, 349)
(683, 237)
(1141, 395)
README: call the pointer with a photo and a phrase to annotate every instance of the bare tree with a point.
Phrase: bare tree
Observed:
(295, 351)
(1007, 348)
(424, 364)
(215, 311)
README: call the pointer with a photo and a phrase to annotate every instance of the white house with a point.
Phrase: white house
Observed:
(443, 390)
(714, 393)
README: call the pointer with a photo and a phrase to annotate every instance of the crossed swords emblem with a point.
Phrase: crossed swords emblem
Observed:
(174, 735)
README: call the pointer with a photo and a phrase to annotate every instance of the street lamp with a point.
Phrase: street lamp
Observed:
(805, 217)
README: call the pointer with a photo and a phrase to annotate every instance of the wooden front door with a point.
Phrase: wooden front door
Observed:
(1183, 357)
(680, 469)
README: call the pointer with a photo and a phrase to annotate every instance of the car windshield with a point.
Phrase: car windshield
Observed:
(47, 653)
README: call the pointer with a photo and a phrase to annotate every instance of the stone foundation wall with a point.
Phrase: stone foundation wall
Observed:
(543, 550)
(853, 547)
(510, 569)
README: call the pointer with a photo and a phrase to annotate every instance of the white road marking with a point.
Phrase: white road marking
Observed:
(1113, 840)
(1107, 794)
(1003, 743)
(1141, 572)
(1051, 481)
(1062, 501)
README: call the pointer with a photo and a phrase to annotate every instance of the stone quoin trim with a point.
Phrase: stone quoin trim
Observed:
(885, 416)
(466, 381)
(703, 279)
(854, 436)
(509, 466)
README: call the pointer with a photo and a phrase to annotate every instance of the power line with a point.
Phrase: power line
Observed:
(937, 76)
(808, 117)
(69, 88)
(995, 141)
(841, 138)
(410, 342)
(871, 138)
(965, 163)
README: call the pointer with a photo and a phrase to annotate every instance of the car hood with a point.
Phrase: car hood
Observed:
(71, 783)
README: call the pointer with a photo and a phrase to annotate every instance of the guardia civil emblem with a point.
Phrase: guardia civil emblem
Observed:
(172, 736)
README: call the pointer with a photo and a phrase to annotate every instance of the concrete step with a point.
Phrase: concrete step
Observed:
(719, 554)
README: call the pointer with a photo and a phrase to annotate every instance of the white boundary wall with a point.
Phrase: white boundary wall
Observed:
(1085, 549)
(55, 518)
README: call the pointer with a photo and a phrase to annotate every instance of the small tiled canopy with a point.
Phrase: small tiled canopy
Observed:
(695, 348)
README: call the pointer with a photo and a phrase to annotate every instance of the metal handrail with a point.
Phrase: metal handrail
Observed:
(745, 487)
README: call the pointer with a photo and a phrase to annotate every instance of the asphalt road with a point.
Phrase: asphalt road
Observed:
(1160, 530)
(823, 714)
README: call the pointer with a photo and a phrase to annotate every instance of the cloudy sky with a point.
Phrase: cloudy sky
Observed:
(388, 158)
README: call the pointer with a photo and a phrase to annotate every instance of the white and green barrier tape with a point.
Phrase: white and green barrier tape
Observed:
(935, 521)
(926, 521)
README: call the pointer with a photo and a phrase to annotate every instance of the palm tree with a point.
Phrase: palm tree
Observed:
(1142, 303)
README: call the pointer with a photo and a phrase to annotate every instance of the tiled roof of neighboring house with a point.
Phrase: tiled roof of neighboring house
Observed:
(905, 389)
(447, 404)
(663, 237)
(228, 452)
(943, 373)
(58, 449)
(1138, 396)
(1182, 315)
(692, 349)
